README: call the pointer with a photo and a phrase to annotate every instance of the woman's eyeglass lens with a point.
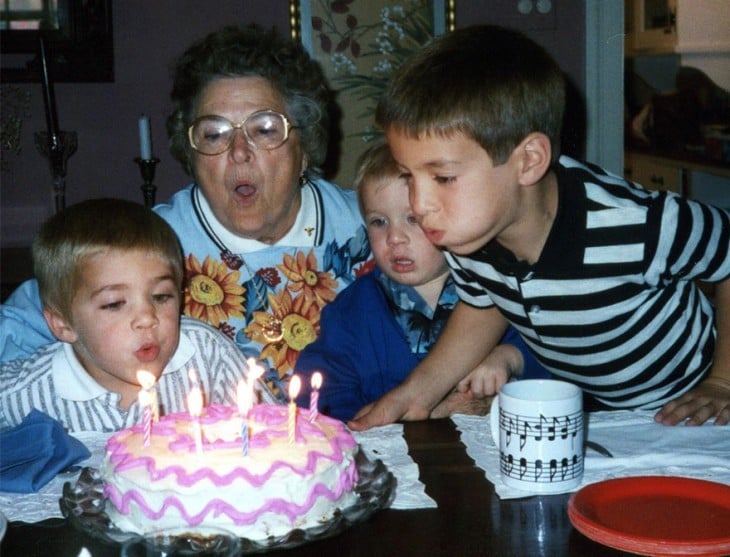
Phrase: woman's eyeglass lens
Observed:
(212, 135)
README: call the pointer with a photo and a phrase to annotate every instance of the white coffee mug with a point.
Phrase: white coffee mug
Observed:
(537, 424)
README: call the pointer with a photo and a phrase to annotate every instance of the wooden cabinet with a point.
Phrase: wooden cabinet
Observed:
(654, 173)
(687, 27)
(651, 26)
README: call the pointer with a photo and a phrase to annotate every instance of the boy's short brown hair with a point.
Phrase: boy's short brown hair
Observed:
(374, 167)
(491, 83)
(94, 226)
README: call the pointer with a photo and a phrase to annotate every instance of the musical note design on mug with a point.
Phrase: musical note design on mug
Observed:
(538, 470)
(523, 435)
(529, 427)
(523, 467)
(559, 470)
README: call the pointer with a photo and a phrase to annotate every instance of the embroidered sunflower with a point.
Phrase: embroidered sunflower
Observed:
(212, 293)
(291, 325)
(316, 287)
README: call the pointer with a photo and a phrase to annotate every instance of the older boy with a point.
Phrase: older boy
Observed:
(378, 329)
(110, 276)
(596, 273)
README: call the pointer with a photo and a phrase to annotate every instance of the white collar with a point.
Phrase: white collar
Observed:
(72, 381)
(302, 233)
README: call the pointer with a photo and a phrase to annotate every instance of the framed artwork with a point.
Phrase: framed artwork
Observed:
(360, 43)
(78, 35)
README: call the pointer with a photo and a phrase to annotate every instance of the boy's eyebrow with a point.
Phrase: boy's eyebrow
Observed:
(108, 287)
(440, 163)
(433, 164)
(123, 286)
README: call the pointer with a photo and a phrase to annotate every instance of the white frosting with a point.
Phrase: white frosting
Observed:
(279, 486)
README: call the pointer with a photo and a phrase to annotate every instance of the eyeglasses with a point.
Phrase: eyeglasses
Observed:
(213, 135)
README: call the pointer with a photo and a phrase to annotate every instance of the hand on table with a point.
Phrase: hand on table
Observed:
(386, 410)
(462, 403)
(710, 399)
(487, 378)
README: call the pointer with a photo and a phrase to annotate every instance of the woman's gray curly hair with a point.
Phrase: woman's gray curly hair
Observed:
(252, 51)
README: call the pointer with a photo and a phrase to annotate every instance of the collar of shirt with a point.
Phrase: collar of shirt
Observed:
(559, 257)
(420, 324)
(307, 220)
(72, 382)
(407, 298)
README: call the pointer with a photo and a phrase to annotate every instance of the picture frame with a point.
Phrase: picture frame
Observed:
(359, 44)
(80, 44)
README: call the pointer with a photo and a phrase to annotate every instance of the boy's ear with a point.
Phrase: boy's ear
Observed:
(535, 154)
(59, 326)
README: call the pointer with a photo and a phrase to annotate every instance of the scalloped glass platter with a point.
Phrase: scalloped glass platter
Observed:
(83, 505)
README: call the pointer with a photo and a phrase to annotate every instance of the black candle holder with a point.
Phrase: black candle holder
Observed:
(57, 148)
(147, 168)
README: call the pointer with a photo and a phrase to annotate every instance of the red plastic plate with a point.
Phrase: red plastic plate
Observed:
(655, 515)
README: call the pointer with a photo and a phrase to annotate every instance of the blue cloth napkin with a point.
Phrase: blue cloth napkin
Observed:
(32, 453)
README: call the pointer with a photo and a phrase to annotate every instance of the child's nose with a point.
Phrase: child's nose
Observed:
(419, 201)
(146, 316)
(396, 235)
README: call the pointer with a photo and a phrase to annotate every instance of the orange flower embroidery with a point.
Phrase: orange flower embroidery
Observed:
(285, 331)
(212, 294)
(316, 287)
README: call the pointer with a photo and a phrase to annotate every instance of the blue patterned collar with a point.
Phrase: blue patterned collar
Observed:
(420, 324)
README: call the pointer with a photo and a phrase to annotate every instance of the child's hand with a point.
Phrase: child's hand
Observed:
(494, 371)
(462, 403)
(710, 399)
(391, 407)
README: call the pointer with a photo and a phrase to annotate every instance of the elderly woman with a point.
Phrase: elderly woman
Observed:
(267, 241)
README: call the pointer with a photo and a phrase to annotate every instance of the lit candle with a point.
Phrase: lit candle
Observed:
(254, 372)
(49, 99)
(146, 403)
(314, 397)
(195, 408)
(145, 139)
(244, 403)
(147, 381)
(294, 385)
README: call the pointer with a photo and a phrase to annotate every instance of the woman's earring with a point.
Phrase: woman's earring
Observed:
(303, 179)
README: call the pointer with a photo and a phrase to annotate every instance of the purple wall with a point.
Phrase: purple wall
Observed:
(148, 36)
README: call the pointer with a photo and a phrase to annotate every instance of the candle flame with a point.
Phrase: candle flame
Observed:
(193, 376)
(316, 380)
(294, 386)
(242, 397)
(145, 379)
(195, 402)
(145, 398)
(254, 370)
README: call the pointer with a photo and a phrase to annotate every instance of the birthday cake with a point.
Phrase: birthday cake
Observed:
(286, 478)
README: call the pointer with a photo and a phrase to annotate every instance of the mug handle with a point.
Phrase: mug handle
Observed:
(494, 419)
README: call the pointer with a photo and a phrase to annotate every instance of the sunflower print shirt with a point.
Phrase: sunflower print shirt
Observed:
(269, 300)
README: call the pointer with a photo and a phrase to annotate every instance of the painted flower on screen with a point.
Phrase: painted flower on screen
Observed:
(212, 292)
(365, 47)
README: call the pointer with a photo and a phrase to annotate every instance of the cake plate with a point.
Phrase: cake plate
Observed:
(83, 504)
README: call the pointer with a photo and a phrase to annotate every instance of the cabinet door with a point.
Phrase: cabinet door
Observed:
(652, 173)
(651, 25)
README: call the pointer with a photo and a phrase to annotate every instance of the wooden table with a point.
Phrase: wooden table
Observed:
(470, 520)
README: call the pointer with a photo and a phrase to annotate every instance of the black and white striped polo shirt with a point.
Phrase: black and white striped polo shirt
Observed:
(611, 304)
